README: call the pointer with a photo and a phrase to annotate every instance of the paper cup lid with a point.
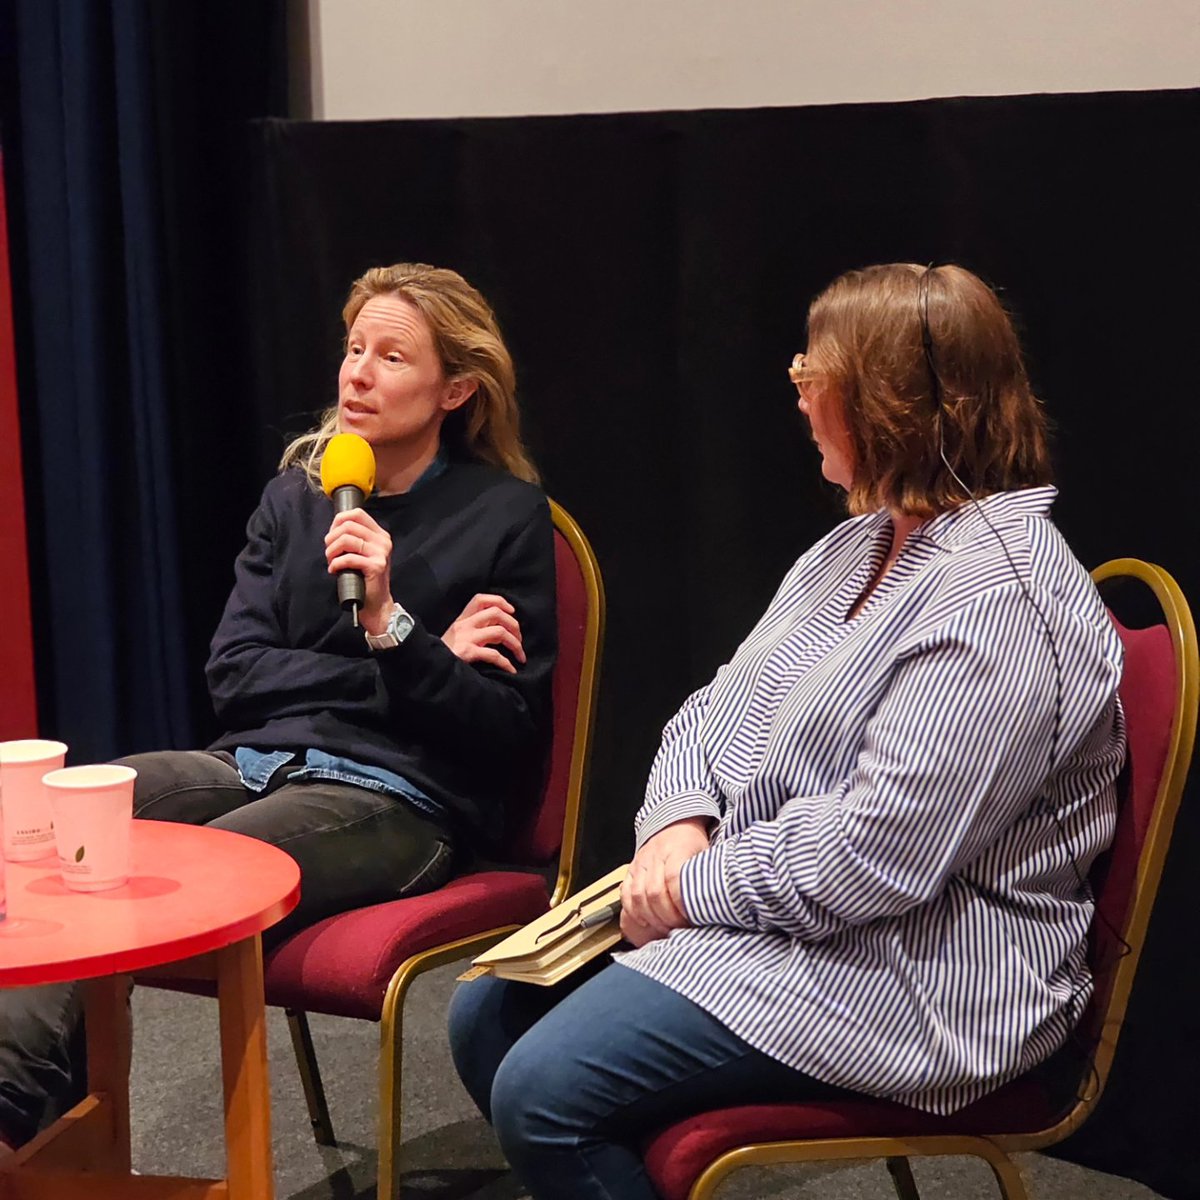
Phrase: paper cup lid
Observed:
(30, 750)
(95, 776)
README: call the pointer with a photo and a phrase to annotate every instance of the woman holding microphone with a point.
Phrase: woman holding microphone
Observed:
(378, 753)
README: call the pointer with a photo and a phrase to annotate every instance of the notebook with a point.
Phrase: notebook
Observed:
(550, 948)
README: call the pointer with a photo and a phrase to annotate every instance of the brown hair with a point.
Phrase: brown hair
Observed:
(926, 361)
(468, 343)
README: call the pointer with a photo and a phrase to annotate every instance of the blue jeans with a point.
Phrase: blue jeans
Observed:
(575, 1077)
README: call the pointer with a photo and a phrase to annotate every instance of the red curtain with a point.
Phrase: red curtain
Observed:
(18, 705)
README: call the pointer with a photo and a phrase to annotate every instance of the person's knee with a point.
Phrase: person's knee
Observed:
(520, 1105)
(191, 786)
(169, 765)
(505, 1078)
(545, 1100)
(473, 1023)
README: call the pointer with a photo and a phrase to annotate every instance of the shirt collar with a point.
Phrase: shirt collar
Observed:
(441, 461)
(963, 525)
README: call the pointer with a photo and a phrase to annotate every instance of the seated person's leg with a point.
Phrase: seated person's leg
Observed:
(620, 1057)
(488, 1016)
(35, 1066)
(355, 846)
(191, 786)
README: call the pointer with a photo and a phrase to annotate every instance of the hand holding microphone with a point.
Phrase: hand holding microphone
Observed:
(348, 478)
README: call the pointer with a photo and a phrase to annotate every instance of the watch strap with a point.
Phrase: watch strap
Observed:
(399, 626)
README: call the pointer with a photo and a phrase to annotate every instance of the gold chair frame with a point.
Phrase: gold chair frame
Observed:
(391, 1025)
(995, 1149)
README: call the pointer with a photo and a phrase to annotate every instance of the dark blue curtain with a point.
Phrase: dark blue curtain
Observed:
(109, 107)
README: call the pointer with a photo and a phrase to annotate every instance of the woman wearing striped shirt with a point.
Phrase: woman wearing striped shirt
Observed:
(862, 855)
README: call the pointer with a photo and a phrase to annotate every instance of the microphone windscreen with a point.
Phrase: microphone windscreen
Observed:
(348, 461)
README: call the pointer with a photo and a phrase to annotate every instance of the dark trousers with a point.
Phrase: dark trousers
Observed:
(355, 846)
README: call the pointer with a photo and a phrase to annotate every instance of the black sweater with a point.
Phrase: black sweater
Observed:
(288, 671)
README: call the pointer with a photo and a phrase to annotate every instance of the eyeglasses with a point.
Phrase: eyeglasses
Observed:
(801, 371)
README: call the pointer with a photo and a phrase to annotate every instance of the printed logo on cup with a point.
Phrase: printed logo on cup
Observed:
(93, 810)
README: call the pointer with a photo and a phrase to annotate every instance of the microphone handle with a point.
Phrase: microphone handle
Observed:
(351, 588)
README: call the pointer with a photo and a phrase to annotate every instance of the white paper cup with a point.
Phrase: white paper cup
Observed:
(27, 829)
(93, 810)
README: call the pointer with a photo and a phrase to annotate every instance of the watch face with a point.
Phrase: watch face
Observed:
(399, 626)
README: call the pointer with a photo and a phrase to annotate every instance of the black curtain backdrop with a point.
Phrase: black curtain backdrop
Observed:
(124, 125)
(652, 272)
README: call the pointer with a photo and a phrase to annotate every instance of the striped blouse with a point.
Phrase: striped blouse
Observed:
(888, 902)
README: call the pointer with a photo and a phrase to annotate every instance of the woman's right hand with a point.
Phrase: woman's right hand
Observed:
(357, 542)
(651, 905)
(486, 622)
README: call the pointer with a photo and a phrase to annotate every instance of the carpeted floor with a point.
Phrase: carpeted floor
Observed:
(449, 1152)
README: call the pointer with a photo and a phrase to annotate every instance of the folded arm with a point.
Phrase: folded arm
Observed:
(472, 700)
(253, 675)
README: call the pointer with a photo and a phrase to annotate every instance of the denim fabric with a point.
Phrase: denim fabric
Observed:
(575, 1077)
(258, 767)
(441, 460)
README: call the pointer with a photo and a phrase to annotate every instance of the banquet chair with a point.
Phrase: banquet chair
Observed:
(361, 963)
(1158, 690)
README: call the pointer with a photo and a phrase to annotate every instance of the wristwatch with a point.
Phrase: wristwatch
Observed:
(399, 626)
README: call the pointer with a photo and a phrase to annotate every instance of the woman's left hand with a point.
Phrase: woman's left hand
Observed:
(357, 542)
(488, 621)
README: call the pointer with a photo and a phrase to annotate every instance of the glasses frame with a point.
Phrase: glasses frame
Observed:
(801, 373)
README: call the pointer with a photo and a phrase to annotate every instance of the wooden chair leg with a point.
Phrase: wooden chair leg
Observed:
(902, 1179)
(310, 1078)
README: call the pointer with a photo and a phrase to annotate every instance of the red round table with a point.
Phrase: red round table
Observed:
(196, 894)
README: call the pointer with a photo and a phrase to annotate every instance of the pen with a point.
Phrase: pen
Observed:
(601, 916)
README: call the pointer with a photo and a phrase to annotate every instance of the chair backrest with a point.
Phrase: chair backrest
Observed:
(551, 826)
(1158, 692)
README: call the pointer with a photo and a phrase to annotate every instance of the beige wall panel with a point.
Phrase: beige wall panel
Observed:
(448, 58)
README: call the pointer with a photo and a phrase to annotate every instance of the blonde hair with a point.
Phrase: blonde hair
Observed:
(926, 361)
(469, 345)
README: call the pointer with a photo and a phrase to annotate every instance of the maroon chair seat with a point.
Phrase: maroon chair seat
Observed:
(343, 965)
(677, 1156)
(1159, 687)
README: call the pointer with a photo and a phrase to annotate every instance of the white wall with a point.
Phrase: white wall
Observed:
(445, 58)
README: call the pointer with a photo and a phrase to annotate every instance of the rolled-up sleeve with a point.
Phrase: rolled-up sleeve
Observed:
(681, 782)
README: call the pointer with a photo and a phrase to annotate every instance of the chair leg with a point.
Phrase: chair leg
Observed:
(391, 1055)
(902, 1179)
(310, 1078)
(1008, 1177)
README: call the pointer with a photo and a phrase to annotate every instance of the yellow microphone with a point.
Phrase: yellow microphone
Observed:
(348, 477)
